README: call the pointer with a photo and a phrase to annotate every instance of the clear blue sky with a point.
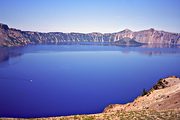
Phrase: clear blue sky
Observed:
(91, 15)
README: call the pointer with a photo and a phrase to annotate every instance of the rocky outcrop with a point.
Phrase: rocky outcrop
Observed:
(153, 36)
(14, 37)
(128, 41)
(164, 95)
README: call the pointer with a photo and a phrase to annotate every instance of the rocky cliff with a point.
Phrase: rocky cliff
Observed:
(15, 37)
(164, 95)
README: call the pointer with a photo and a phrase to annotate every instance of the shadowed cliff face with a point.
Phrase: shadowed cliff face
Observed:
(14, 37)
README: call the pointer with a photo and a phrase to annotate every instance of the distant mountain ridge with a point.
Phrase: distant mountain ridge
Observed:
(14, 37)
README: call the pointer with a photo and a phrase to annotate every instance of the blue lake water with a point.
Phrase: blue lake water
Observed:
(54, 80)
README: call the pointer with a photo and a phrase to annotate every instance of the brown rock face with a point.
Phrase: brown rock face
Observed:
(14, 37)
(152, 36)
(164, 95)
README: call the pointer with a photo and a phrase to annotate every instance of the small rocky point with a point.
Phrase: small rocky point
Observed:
(162, 102)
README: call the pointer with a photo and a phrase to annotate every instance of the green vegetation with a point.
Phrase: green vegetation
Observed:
(144, 92)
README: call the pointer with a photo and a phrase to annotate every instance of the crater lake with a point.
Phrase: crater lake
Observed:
(58, 80)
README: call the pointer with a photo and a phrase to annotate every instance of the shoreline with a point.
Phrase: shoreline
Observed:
(173, 114)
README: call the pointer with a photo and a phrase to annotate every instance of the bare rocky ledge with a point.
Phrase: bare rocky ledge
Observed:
(162, 102)
(163, 96)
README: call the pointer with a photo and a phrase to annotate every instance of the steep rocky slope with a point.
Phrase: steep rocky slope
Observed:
(14, 37)
(163, 96)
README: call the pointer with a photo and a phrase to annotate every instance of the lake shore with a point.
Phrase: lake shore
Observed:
(130, 115)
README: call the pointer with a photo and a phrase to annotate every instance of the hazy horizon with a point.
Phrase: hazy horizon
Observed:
(104, 16)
